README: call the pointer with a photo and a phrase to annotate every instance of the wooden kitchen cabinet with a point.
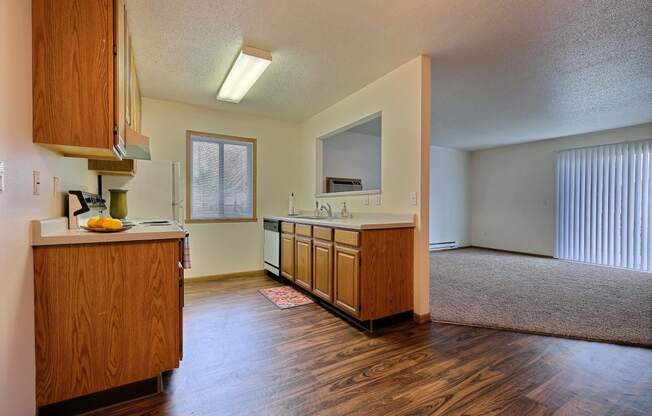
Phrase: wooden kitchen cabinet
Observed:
(303, 256)
(322, 269)
(347, 279)
(367, 274)
(287, 255)
(128, 99)
(124, 167)
(182, 300)
(106, 315)
(84, 87)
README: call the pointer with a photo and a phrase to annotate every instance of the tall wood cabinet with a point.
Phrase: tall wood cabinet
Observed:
(84, 88)
(368, 274)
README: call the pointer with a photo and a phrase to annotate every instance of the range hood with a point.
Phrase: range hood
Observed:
(137, 146)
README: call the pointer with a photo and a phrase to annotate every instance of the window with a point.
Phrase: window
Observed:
(221, 178)
(603, 205)
(349, 159)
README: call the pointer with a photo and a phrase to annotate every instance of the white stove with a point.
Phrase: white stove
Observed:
(147, 223)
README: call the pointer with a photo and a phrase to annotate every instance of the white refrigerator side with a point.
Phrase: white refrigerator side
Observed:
(177, 194)
(154, 193)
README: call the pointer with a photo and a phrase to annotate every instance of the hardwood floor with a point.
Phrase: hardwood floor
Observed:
(243, 356)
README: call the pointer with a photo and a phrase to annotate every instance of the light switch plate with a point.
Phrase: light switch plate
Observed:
(55, 185)
(378, 199)
(365, 200)
(36, 182)
(413, 198)
(2, 176)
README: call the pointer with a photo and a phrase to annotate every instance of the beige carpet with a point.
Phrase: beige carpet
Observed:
(512, 291)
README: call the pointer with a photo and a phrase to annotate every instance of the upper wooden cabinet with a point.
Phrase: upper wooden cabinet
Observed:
(81, 84)
(125, 167)
(128, 99)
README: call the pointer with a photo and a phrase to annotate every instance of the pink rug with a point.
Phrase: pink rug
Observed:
(285, 297)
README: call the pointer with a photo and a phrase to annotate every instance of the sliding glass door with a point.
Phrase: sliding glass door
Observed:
(603, 213)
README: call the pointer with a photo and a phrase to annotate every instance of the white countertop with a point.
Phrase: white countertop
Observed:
(54, 231)
(359, 221)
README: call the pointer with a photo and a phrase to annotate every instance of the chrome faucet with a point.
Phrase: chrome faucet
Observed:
(328, 210)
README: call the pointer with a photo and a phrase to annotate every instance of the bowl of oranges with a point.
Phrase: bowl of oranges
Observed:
(104, 225)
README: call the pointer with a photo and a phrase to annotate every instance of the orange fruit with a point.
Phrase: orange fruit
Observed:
(93, 222)
(112, 223)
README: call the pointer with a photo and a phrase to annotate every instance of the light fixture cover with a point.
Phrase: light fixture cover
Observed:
(247, 68)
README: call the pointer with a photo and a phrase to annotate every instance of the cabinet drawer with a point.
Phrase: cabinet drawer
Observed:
(323, 233)
(303, 229)
(287, 227)
(350, 238)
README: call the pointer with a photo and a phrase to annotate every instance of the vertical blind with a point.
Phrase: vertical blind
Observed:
(603, 213)
(221, 178)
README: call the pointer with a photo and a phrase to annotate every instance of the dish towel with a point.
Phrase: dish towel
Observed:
(187, 261)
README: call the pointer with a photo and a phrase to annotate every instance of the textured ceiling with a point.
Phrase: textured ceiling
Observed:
(502, 71)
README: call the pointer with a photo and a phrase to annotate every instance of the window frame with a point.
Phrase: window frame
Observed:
(320, 178)
(254, 162)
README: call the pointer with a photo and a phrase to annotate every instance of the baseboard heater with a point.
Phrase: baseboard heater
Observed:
(442, 245)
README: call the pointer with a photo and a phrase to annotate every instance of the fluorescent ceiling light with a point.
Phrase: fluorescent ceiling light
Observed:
(248, 67)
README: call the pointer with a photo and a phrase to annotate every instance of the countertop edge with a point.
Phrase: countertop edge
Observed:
(104, 238)
(56, 233)
(334, 224)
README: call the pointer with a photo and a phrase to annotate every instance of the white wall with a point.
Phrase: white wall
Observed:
(228, 247)
(450, 196)
(149, 192)
(403, 97)
(353, 155)
(18, 206)
(513, 190)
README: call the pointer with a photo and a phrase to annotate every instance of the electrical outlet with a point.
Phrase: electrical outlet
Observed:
(413, 198)
(365, 200)
(378, 200)
(36, 182)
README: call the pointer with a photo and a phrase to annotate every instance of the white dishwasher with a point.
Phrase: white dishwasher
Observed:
(272, 248)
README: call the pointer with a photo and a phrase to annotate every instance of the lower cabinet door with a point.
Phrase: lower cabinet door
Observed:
(287, 256)
(303, 264)
(106, 315)
(322, 269)
(347, 279)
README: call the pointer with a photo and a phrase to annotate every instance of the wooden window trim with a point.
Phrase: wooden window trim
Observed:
(253, 218)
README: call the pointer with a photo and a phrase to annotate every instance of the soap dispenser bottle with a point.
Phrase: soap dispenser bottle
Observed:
(345, 212)
(291, 209)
